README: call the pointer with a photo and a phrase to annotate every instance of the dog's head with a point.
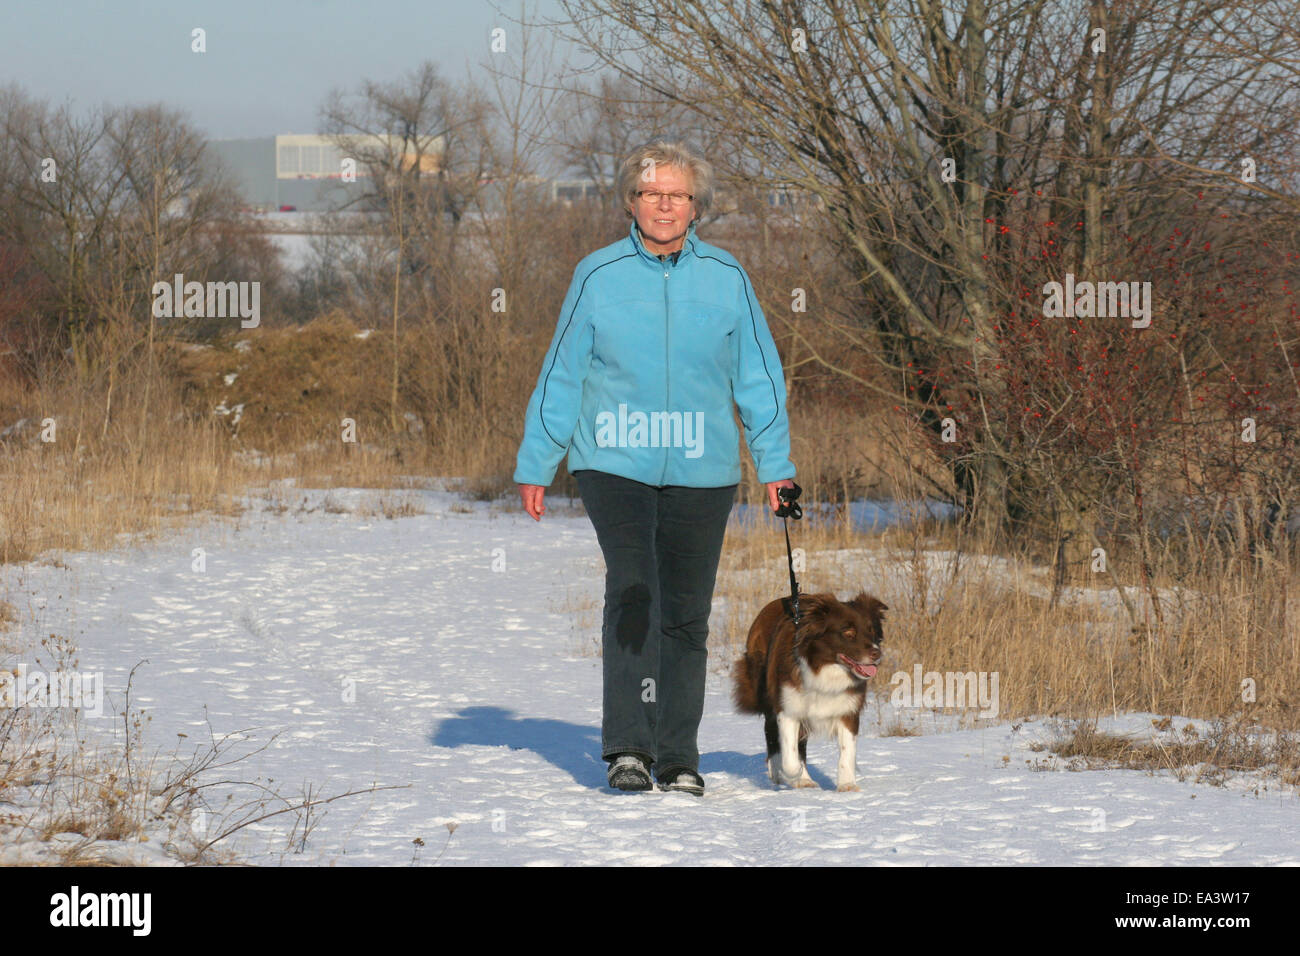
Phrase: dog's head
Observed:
(843, 633)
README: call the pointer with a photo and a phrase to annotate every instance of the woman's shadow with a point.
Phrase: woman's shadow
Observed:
(573, 748)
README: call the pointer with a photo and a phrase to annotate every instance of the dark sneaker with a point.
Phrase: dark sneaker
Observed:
(683, 781)
(629, 772)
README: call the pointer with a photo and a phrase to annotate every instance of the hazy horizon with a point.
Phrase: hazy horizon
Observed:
(268, 67)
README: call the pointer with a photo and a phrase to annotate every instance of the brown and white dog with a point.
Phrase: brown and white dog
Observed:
(810, 682)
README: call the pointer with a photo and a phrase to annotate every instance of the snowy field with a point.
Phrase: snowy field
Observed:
(450, 655)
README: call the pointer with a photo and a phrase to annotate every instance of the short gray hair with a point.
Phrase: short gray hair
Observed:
(667, 153)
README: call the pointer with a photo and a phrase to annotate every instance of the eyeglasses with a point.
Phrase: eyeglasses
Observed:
(654, 198)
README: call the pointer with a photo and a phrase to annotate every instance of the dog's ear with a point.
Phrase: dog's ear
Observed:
(868, 605)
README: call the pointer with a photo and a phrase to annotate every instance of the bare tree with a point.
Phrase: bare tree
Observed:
(106, 205)
(517, 131)
(416, 138)
(605, 119)
(169, 197)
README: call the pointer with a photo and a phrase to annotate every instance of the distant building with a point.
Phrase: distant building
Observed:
(304, 171)
(568, 191)
(301, 170)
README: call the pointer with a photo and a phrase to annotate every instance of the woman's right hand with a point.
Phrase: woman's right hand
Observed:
(532, 496)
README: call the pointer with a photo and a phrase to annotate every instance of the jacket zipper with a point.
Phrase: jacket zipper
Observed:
(667, 364)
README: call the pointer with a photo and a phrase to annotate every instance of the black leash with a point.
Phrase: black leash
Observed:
(789, 508)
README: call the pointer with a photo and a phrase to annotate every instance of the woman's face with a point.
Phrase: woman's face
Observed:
(663, 225)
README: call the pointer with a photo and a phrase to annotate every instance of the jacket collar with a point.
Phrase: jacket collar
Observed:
(688, 244)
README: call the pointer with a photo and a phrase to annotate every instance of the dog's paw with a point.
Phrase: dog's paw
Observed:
(782, 778)
(849, 787)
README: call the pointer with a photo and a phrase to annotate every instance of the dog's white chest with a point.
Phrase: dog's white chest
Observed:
(824, 698)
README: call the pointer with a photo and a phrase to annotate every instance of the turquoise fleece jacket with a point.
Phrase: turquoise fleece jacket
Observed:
(647, 358)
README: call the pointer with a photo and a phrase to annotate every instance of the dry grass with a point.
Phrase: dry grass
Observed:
(75, 801)
(8, 618)
(1213, 756)
(111, 473)
(74, 494)
(898, 729)
(78, 802)
(391, 505)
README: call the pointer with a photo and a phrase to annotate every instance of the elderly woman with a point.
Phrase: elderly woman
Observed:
(658, 334)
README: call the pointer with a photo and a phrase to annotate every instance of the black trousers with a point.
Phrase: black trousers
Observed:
(661, 548)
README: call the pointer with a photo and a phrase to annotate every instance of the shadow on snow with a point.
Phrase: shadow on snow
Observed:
(573, 748)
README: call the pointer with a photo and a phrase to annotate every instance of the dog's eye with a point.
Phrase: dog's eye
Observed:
(850, 632)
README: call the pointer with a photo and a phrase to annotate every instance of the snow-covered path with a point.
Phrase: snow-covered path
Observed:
(441, 653)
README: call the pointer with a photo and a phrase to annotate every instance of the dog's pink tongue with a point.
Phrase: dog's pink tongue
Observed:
(859, 668)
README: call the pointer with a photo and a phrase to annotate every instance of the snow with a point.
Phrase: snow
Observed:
(450, 654)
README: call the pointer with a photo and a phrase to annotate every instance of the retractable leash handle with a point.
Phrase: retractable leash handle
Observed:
(790, 509)
(789, 502)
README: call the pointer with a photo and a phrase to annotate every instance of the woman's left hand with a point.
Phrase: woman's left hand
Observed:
(772, 499)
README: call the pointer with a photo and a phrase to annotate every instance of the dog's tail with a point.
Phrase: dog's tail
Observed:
(747, 685)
